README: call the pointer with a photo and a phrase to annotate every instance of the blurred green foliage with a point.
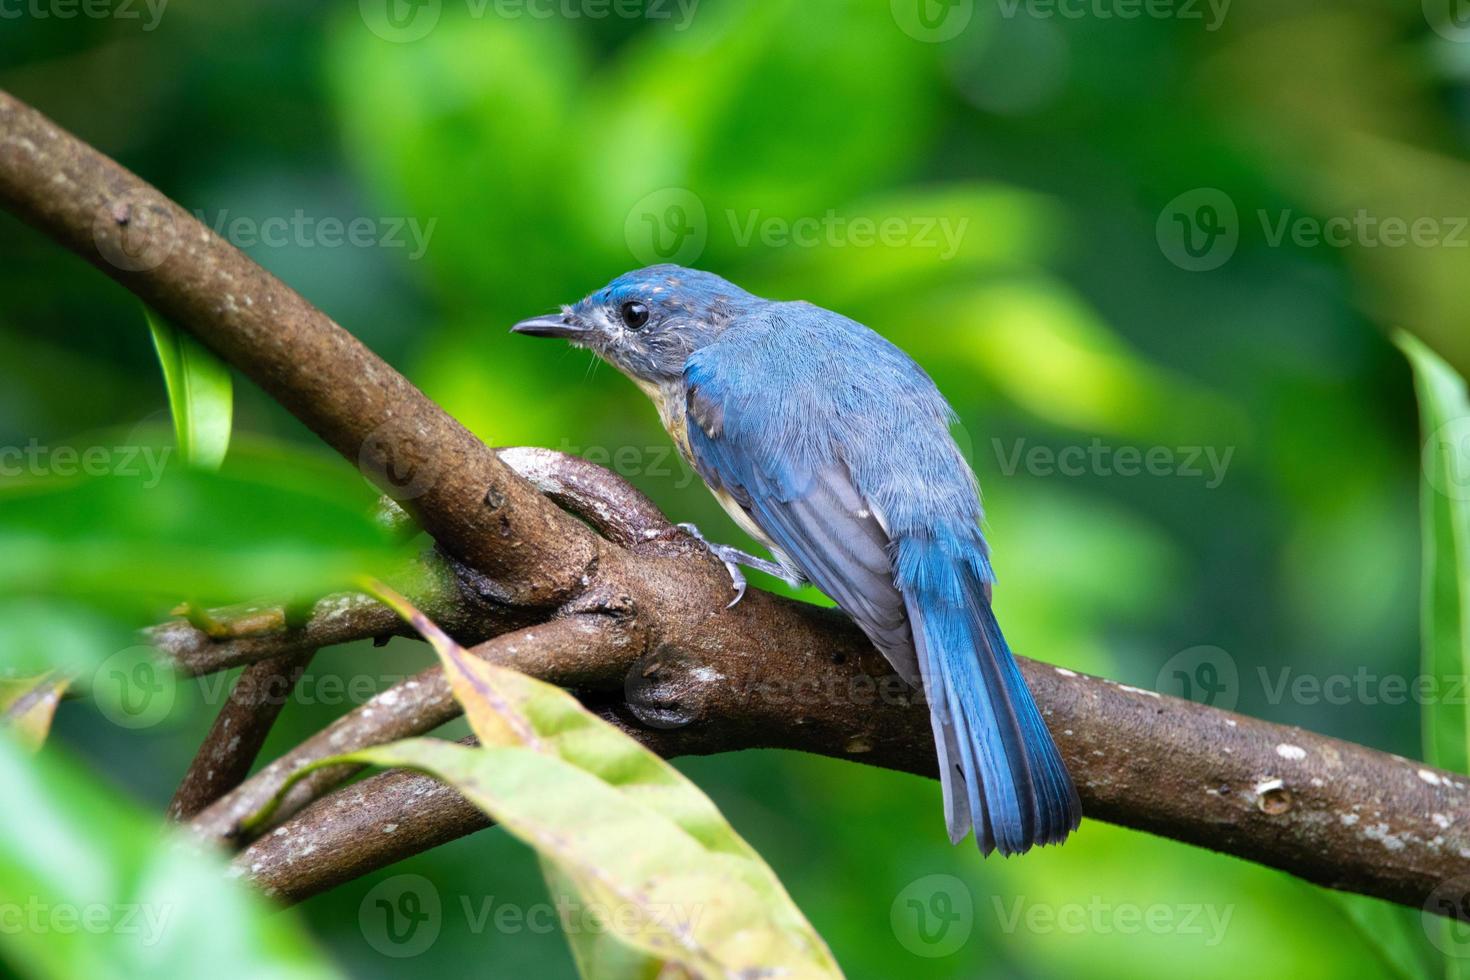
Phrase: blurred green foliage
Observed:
(538, 156)
(92, 888)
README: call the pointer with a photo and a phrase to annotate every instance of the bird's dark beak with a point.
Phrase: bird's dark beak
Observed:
(553, 325)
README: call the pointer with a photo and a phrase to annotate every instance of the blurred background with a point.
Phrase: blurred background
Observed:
(1150, 253)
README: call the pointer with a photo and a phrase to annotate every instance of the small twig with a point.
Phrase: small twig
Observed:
(238, 733)
(573, 651)
(334, 619)
(614, 507)
(367, 826)
(462, 600)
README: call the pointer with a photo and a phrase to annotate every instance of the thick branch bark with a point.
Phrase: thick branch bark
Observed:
(699, 678)
(415, 451)
(464, 603)
(1337, 814)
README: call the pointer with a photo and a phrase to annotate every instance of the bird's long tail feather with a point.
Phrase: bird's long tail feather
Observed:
(1001, 771)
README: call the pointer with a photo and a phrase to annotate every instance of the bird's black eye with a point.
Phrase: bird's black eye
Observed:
(635, 315)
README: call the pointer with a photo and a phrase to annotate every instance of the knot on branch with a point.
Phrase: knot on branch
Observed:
(668, 688)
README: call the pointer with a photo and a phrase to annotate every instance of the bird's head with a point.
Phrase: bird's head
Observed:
(646, 323)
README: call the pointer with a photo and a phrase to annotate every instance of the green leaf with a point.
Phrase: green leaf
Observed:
(27, 706)
(1445, 412)
(1396, 932)
(651, 861)
(200, 393)
(596, 952)
(621, 828)
(99, 892)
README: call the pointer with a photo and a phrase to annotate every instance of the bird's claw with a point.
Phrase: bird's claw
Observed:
(728, 556)
(737, 579)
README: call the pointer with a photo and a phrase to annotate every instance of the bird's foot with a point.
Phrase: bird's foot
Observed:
(733, 558)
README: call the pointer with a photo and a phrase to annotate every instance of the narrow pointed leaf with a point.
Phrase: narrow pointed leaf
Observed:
(1445, 411)
(200, 393)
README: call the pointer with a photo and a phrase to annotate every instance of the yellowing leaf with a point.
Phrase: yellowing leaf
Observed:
(665, 888)
(640, 848)
(27, 706)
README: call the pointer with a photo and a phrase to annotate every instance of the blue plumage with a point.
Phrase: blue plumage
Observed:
(832, 446)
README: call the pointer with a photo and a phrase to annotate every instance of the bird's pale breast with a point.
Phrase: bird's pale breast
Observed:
(670, 400)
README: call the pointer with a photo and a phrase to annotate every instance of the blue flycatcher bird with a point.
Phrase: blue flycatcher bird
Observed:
(831, 447)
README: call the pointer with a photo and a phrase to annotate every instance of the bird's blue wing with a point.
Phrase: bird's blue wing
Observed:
(808, 506)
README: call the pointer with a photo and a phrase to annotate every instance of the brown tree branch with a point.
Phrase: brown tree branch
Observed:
(576, 650)
(355, 831)
(334, 619)
(1331, 812)
(238, 733)
(415, 451)
(703, 678)
(463, 602)
(614, 507)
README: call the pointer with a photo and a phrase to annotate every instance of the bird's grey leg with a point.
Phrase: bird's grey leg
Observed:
(734, 558)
